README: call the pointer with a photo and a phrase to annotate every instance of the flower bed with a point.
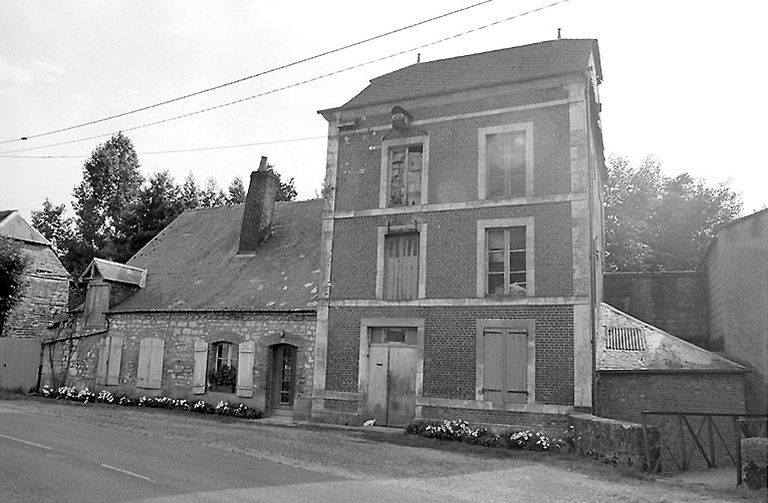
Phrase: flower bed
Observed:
(84, 395)
(460, 431)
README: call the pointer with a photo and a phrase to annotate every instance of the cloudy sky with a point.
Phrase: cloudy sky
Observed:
(683, 81)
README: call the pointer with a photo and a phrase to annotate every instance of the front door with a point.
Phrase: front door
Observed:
(391, 380)
(283, 379)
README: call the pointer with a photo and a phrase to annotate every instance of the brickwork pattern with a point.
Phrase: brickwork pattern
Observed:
(452, 249)
(453, 152)
(450, 348)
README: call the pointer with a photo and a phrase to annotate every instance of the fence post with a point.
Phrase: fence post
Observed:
(645, 444)
(682, 442)
(711, 441)
(737, 433)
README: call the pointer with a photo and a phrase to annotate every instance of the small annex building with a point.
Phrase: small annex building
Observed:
(220, 305)
(643, 368)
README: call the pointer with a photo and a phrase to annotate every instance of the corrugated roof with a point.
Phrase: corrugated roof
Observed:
(649, 348)
(13, 226)
(542, 59)
(114, 271)
(193, 263)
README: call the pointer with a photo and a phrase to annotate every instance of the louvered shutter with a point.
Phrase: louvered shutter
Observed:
(493, 365)
(201, 362)
(246, 353)
(145, 357)
(101, 367)
(155, 374)
(516, 382)
(113, 363)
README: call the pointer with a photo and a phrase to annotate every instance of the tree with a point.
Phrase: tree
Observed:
(190, 193)
(211, 195)
(52, 224)
(236, 191)
(13, 262)
(655, 222)
(111, 182)
(286, 191)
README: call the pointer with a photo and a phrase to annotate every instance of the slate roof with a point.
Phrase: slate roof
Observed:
(638, 346)
(13, 226)
(114, 271)
(192, 265)
(539, 60)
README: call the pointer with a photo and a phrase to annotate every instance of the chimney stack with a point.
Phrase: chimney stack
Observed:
(259, 207)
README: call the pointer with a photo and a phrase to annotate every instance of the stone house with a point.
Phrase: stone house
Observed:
(46, 281)
(220, 305)
(462, 241)
(736, 269)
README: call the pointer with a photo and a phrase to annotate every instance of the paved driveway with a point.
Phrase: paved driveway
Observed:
(55, 451)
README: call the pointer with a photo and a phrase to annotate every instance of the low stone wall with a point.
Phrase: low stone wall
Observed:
(754, 462)
(611, 441)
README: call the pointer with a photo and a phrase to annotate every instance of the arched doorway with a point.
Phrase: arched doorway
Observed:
(283, 379)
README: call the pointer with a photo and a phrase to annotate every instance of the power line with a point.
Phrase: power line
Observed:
(248, 77)
(177, 151)
(295, 84)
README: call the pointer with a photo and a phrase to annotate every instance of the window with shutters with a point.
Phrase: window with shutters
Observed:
(505, 259)
(222, 373)
(149, 373)
(401, 266)
(505, 352)
(505, 164)
(404, 171)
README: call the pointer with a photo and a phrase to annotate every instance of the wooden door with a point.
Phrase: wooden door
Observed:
(283, 377)
(391, 397)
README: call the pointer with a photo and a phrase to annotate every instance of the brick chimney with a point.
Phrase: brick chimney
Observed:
(259, 207)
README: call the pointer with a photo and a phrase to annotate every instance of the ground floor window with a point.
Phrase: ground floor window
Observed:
(222, 375)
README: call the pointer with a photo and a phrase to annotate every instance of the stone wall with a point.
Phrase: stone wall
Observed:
(675, 302)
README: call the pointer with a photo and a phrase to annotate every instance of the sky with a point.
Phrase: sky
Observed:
(683, 81)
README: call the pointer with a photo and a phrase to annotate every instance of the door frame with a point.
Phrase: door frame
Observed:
(365, 344)
(274, 377)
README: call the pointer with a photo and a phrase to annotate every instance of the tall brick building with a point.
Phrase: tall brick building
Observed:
(462, 240)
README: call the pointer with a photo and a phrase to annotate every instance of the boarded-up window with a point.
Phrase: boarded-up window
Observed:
(149, 373)
(246, 353)
(96, 305)
(201, 364)
(505, 365)
(505, 164)
(405, 166)
(506, 263)
(108, 367)
(401, 266)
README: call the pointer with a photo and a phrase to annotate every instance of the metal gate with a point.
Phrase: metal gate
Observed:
(19, 362)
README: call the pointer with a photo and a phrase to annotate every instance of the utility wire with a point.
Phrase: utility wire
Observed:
(248, 77)
(295, 84)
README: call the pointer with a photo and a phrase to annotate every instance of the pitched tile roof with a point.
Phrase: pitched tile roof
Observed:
(13, 226)
(626, 343)
(114, 271)
(192, 265)
(542, 59)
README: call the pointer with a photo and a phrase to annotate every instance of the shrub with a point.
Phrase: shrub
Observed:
(104, 396)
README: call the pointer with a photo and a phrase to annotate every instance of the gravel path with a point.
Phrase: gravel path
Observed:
(421, 466)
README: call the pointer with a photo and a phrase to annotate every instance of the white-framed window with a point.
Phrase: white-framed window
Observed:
(401, 262)
(506, 361)
(404, 169)
(505, 161)
(505, 257)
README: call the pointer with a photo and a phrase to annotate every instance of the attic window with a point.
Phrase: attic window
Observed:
(624, 339)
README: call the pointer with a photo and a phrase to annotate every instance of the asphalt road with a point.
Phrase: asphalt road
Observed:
(60, 459)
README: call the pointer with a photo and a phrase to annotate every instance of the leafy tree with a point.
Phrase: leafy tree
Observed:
(13, 262)
(286, 191)
(52, 224)
(655, 222)
(190, 193)
(211, 195)
(236, 191)
(111, 183)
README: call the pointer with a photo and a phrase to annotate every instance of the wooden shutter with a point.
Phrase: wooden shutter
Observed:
(246, 353)
(113, 363)
(96, 304)
(401, 266)
(145, 356)
(493, 365)
(101, 367)
(516, 382)
(156, 364)
(201, 361)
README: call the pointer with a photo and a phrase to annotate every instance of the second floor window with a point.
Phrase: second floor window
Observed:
(405, 167)
(401, 266)
(505, 164)
(506, 261)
